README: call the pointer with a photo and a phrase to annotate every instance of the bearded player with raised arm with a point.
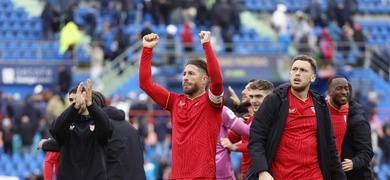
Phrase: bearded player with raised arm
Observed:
(196, 114)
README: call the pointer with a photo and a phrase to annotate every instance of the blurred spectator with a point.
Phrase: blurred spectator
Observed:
(166, 7)
(334, 30)
(360, 41)
(326, 47)
(303, 36)
(27, 132)
(138, 114)
(151, 9)
(145, 30)
(162, 168)
(279, 19)
(70, 12)
(236, 9)
(106, 35)
(314, 11)
(202, 15)
(187, 38)
(97, 62)
(32, 112)
(69, 39)
(346, 10)
(228, 41)
(91, 21)
(3, 105)
(171, 44)
(189, 10)
(161, 129)
(64, 80)
(56, 20)
(7, 135)
(384, 167)
(121, 41)
(331, 12)
(47, 18)
(55, 106)
(222, 15)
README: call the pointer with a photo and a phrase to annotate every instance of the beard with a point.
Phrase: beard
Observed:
(82, 110)
(191, 90)
(246, 103)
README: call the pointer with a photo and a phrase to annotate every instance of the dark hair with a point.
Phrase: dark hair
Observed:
(334, 77)
(74, 90)
(303, 57)
(261, 84)
(252, 80)
(99, 99)
(200, 63)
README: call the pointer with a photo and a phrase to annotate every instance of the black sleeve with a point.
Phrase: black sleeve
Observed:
(259, 133)
(361, 143)
(51, 145)
(60, 126)
(103, 125)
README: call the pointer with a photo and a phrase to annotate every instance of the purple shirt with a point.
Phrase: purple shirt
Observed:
(223, 161)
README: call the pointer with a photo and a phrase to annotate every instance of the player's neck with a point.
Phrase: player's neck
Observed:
(302, 95)
(334, 106)
(196, 94)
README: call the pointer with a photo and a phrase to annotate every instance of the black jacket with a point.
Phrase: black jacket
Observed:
(357, 143)
(124, 154)
(83, 141)
(267, 129)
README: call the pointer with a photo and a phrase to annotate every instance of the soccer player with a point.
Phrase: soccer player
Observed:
(257, 91)
(291, 136)
(338, 98)
(196, 114)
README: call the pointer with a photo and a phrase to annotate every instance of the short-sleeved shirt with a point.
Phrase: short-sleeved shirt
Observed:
(195, 128)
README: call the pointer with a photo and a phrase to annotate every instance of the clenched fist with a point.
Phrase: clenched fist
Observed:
(150, 40)
(204, 36)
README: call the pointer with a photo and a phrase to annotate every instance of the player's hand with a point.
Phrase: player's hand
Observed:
(234, 97)
(88, 93)
(204, 36)
(41, 143)
(150, 40)
(265, 175)
(347, 165)
(225, 142)
(79, 99)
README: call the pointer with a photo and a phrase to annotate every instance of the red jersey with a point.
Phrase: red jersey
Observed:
(339, 120)
(243, 147)
(195, 123)
(194, 135)
(297, 154)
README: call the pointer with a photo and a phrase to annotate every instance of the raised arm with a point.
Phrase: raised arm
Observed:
(159, 94)
(213, 69)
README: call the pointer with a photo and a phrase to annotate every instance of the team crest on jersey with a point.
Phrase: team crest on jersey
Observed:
(291, 110)
(181, 103)
(230, 113)
(313, 109)
(92, 127)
